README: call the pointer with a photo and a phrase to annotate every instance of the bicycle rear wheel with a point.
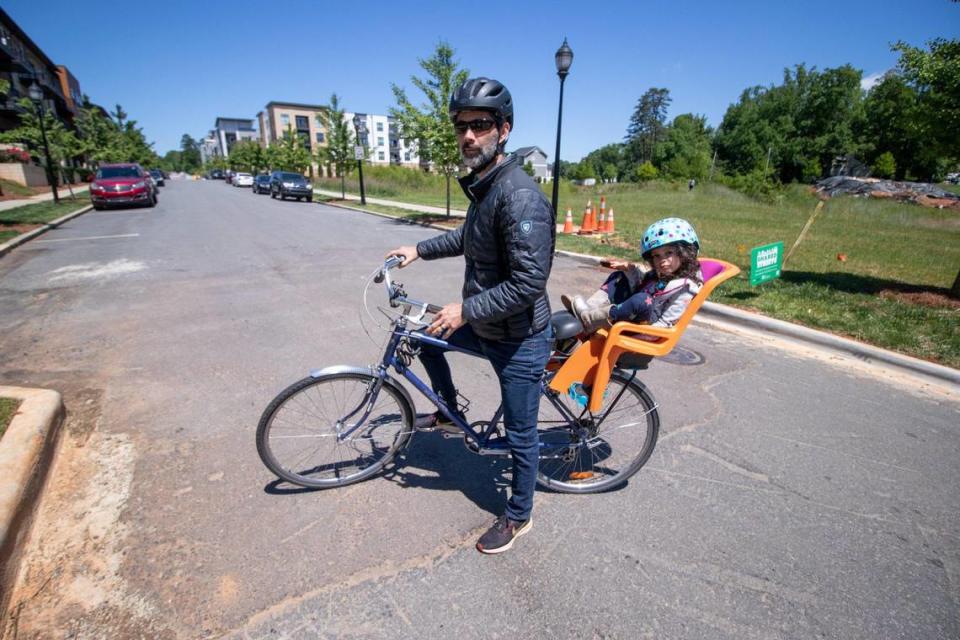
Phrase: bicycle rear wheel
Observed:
(330, 431)
(599, 451)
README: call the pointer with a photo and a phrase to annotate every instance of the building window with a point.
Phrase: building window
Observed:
(406, 157)
(320, 137)
(380, 156)
(303, 123)
(319, 120)
(379, 141)
(285, 120)
(379, 126)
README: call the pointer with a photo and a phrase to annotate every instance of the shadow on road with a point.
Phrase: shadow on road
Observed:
(436, 463)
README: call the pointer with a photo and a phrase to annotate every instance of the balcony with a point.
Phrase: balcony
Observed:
(13, 56)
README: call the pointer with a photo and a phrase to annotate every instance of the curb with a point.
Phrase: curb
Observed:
(718, 314)
(26, 451)
(30, 235)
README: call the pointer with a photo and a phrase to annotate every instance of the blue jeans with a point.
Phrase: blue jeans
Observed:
(519, 367)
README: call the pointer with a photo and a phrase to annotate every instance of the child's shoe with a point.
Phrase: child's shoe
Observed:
(593, 318)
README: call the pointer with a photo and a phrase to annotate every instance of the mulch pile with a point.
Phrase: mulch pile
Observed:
(920, 193)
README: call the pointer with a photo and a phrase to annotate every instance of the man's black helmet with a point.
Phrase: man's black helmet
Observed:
(484, 94)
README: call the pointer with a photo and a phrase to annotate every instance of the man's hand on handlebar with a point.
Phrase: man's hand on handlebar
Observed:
(407, 253)
(447, 320)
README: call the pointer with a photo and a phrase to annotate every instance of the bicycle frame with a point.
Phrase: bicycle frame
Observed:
(484, 441)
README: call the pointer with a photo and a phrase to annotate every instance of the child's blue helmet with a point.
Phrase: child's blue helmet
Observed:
(668, 231)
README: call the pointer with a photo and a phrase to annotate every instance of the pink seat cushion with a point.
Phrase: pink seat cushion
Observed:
(709, 268)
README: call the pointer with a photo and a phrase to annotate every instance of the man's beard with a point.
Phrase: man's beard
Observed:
(482, 159)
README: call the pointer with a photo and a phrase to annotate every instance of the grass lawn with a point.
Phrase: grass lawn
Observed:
(18, 220)
(8, 407)
(12, 188)
(874, 270)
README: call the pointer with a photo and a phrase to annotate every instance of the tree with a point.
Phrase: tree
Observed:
(528, 169)
(646, 125)
(892, 123)
(429, 125)
(120, 115)
(935, 75)
(608, 161)
(246, 155)
(339, 150)
(292, 154)
(190, 159)
(685, 151)
(62, 142)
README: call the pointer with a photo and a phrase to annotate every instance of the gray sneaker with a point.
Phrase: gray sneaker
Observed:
(500, 536)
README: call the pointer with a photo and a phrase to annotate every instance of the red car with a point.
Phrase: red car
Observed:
(121, 185)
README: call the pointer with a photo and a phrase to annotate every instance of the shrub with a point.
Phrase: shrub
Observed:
(646, 171)
(885, 166)
(13, 154)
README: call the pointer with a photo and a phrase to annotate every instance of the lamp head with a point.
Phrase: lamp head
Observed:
(564, 58)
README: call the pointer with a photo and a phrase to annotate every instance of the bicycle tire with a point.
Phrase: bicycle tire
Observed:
(309, 410)
(622, 439)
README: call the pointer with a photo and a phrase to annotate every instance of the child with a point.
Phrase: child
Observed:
(657, 296)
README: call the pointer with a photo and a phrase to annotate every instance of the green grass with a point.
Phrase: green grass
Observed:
(42, 212)
(15, 188)
(8, 407)
(894, 253)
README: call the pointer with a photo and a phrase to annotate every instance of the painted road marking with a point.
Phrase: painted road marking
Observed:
(123, 235)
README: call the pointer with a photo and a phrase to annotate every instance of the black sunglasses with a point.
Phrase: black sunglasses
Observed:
(481, 125)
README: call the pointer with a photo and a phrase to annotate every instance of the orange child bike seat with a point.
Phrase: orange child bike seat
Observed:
(593, 361)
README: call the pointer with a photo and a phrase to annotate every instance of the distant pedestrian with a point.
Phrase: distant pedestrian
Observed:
(691, 184)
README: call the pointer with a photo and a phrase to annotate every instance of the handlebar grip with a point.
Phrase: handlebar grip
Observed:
(432, 308)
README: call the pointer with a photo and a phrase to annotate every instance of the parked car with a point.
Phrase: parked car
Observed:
(157, 176)
(284, 184)
(261, 184)
(122, 184)
(217, 174)
(243, 180)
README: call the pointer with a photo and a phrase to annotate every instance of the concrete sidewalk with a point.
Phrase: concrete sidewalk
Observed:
(42, 197)
(395, 204)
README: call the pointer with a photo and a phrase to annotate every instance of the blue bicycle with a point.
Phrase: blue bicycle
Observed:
(343, 424)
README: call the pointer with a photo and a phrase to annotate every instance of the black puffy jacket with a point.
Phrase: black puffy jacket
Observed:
(507, 241)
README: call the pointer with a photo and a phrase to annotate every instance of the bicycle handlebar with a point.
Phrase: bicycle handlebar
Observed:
(397, 295)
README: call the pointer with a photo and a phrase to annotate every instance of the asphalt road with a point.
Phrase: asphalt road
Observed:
(788, 497)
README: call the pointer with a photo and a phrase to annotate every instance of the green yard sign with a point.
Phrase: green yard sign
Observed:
(765, 263)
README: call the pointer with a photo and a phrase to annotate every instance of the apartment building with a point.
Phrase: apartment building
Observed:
(229, 131)
(384, 142)
(305, 120)
(22, 63)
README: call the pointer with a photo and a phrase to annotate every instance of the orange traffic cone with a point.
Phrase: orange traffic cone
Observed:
(568, 222)
(609, 227)
(585, 225)
(603, 212)
(602, 221)
(591, 221)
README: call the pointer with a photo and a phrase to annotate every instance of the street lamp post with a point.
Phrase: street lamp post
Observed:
(361, 128)
(36, 95)
(563, 58)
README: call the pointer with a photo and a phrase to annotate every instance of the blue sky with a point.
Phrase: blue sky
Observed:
(177, 65)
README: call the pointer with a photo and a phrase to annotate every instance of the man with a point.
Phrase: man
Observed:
(507, 242)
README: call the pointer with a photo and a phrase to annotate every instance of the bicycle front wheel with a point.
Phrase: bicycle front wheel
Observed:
(596, 452)
(334, 430)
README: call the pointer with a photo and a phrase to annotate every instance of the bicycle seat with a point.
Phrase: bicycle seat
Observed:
(565, 325)
(593, 360)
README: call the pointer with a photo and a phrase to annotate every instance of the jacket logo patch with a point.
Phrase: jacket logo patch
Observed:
(526, 226)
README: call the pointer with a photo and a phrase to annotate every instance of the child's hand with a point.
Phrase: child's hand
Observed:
(615, 263)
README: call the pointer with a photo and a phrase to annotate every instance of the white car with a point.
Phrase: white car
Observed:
(243, 180)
